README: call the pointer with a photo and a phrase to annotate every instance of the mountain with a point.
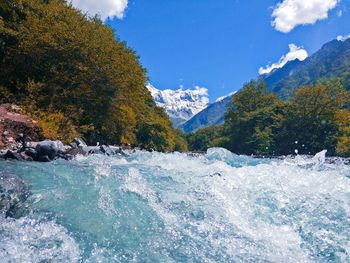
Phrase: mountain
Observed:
(212, 115)
(181, 105)
(332, 60)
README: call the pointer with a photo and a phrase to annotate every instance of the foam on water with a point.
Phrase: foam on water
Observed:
(154, 207)
(31, 240)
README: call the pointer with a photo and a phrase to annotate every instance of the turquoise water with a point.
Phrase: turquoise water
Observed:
(153, 207)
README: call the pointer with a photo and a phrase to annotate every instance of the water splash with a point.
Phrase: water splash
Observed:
(32, 240)
(217, 207)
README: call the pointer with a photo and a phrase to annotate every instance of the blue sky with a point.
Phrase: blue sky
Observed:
(221, 44)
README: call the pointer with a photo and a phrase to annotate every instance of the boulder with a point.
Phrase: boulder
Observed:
(26, 157)
(13, 155)
(75, 151)
(91, 150)
(79, 142)
(49, 149)
(46, 148)
(43, 159)
(60, 146)
(105, 149)
(65, 156)
(118, 151)
(13, 194)
(31, 152)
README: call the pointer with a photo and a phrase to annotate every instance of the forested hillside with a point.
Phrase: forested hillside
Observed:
(72, 74)
(331, 61)
(212, 115)
(316, 117)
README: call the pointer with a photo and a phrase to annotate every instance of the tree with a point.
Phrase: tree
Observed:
(342, 119)
(180, 142)
(253, 118)
(205, 138)
(56, 61)
(311, 120)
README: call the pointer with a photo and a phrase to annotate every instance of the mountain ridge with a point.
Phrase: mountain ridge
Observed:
(181, 105)
(212, 115)
(331, 60)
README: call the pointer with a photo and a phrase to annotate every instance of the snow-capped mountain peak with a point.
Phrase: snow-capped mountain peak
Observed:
(343, 38)
(224, 97)
(181, 104)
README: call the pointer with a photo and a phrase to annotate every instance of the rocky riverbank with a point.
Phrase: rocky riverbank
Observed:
(47, 150)
(14, 191)
(21, 139)
(16, 128)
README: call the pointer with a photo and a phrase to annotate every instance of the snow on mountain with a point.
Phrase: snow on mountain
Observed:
(224, 97)
(180, 104)
(343, 38)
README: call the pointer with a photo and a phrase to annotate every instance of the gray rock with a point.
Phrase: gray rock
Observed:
(13, 194)
(13, 155)
(44, 159)
(106, 150)
(29, 159)
(47, 148)
(65, 156)
(73, 145)
(76, 151)
(79, 142)
(31, 152)
(118, 151)
(92, 150)
(67, 148)
(26, 157)
(60, 146)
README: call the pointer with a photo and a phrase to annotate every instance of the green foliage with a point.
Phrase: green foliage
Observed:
(310, 124)
(331, 61)
(253, 119)
(342, 119)
(315, 118)
(55, 60)
(180, 142)
(56, 126)
(154, 136)
(205, 138)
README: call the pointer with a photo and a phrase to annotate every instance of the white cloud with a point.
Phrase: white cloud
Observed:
(291, 13)
(343, 38)
(104, 8)
(294, 53)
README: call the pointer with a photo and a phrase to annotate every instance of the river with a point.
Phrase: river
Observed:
(156, 207)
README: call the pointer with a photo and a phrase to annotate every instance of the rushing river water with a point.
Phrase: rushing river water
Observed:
(153, 207)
